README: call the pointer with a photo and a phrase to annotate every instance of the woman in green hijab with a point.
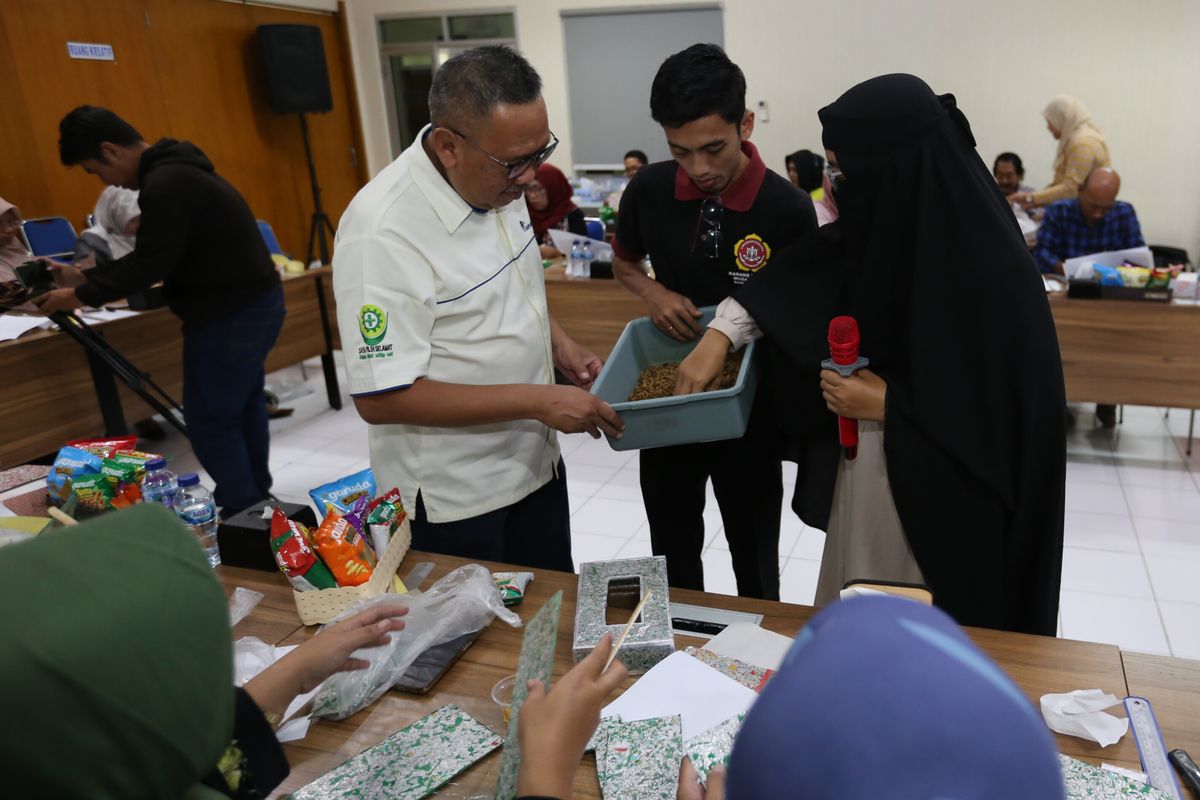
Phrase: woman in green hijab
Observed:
(117, 667)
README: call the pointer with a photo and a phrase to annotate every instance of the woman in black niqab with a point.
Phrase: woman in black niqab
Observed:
(928, 258)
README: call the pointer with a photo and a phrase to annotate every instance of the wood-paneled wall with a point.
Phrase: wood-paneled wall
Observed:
(187, 69)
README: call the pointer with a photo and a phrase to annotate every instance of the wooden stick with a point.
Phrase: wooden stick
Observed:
(625, 632)
(59, 516)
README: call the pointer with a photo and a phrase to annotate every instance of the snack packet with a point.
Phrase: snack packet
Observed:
(1107, 276)
(105, 447)
(384, 515)
(1160, 278)
(344, 492)
(1134, 276)
(295, 558)
(512, 586)
(70, 462)
(342, 546)
(93, 490)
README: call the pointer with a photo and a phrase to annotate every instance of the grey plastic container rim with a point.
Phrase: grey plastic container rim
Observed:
(680, 399)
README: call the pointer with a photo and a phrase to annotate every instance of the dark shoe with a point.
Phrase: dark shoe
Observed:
(1107, 415)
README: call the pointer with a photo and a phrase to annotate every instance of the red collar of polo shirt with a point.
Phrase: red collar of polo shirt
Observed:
(738, 197)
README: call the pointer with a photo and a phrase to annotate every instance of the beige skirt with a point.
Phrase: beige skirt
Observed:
(865, 540)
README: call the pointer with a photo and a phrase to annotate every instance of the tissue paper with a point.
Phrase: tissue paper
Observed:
(1081, 713)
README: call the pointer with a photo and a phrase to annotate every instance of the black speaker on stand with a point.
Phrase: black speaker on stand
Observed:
(298, 83)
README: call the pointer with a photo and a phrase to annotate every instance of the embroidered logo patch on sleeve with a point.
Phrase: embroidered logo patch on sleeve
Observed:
(752, 253)
(372, 323)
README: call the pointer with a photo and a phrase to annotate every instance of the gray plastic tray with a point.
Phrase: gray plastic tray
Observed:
(687, 419)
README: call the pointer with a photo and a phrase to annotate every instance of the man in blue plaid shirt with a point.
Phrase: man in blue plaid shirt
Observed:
(1095, 222)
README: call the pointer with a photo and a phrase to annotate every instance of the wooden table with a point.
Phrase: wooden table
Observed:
(49, 396)
(1113, 351)
(1129, 352)
(1037, 664)
(593, 311)
(1172, 685)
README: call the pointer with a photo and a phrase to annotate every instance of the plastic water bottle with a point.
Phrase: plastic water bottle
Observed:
(585, 260)
(196, 508)
(574, 258)
(160, 485)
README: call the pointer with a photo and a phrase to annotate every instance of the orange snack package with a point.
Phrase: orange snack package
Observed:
(343, 548)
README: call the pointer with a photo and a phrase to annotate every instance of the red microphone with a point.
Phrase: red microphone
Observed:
(845, 360)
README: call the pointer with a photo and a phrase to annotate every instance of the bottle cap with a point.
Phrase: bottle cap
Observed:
(157, 463)
(189, 479)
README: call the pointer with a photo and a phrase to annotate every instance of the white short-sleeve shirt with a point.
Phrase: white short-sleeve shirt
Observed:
(428, 287)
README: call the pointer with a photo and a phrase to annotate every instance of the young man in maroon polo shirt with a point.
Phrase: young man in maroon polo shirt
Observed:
(709, 220)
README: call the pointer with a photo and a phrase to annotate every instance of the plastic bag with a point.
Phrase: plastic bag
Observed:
(462, 602)
(242, 603)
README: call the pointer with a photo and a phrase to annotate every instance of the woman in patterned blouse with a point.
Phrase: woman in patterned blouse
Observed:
(1081, 148)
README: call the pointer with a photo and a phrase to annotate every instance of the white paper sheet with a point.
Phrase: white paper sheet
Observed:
(106, 315)
(683, 685)
(752, 644)
(1080, 267)
(602, 251)
(13, 325)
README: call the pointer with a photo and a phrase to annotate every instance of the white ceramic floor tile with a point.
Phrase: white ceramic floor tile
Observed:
(1089, 443)
(1153, 447)
(295, 480)
(585, 480)
(606, 517)
(1130, 623)
(1155, 503)
(569, 443)
(1175, 578)
(288, 448)
(1085, 469)
(642, 534)
(1100, 531)
(1182, 621)
(635, 548)
(718, 572)
(353, 445)
(576, 501)
(1142, 420)
(1165, 537)
(1099, 498)
(587, 547)
(811, 545)
(597, 453)
(1104, 572)
(798, 581)
(789, 476)
(1158, 474)
(624, 485)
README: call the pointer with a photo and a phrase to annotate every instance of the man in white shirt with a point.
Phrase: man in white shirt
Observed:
(449, 345)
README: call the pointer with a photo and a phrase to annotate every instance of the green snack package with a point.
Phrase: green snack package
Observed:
(120, 472)
(93, 491)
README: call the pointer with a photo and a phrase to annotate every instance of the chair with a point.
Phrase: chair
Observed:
(595, 228)
(50, 237)
(1165, 255)
(268, 235)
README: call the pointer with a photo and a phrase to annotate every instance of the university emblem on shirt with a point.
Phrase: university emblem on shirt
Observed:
(372, 323)
(752, 253)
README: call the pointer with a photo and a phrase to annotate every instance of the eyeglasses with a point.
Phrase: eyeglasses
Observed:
(835, 175)
(10, 222)
(515, 168)
(708, 228)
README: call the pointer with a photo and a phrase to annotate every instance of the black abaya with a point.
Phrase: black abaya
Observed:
(929, 259)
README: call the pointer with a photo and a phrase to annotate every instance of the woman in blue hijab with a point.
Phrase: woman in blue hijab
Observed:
(885, 697)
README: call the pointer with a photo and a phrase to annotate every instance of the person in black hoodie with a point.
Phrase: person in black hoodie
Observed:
(199, 237)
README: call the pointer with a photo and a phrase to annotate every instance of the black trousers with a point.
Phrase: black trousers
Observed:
(748, 482)
(532, 532)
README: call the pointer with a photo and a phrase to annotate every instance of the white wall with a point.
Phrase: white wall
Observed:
(1136, 65)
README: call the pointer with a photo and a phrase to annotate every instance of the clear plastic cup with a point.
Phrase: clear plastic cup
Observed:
(502, 695)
